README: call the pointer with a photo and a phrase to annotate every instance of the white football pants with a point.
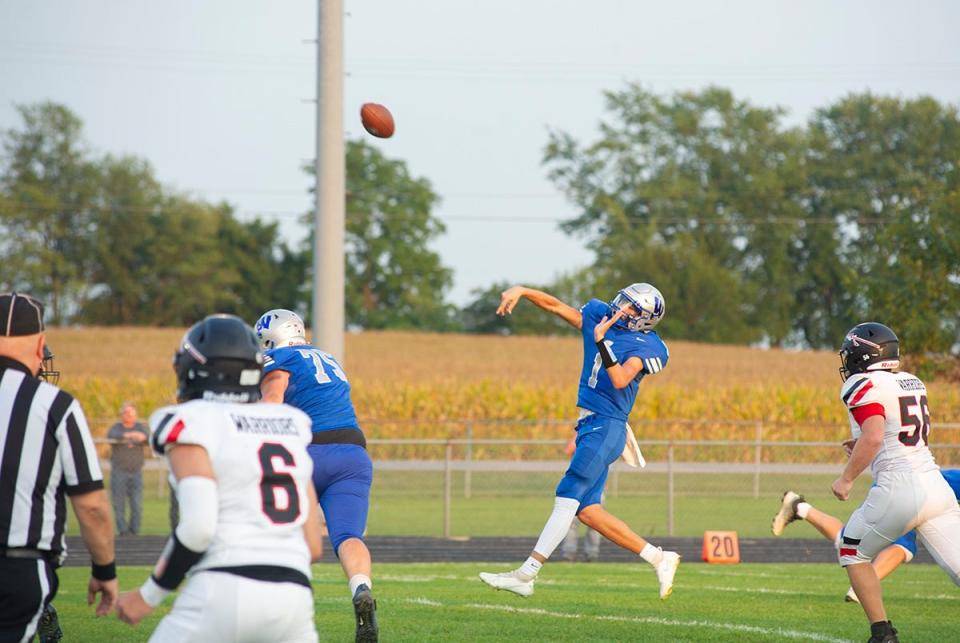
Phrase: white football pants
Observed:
(217, 606)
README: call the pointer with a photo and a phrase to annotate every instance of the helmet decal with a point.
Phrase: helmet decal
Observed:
(856, 341)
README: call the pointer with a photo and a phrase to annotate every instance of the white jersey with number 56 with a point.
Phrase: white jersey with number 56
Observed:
(262, 469)
(901, 398)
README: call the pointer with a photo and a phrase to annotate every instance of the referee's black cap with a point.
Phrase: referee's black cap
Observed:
(20, 314)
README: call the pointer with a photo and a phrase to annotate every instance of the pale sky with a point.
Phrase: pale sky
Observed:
(214, 93)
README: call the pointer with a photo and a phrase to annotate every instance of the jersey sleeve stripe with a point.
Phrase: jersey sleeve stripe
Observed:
(659, 363)
(853, 389)
(157, 442)
(175, 432)
(863, 413)
(859, 396)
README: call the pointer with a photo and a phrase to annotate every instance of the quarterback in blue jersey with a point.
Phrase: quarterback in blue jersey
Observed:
(296, 373)
(793, 507)
(620, 348)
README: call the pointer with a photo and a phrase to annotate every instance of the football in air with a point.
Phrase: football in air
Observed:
(377, 120)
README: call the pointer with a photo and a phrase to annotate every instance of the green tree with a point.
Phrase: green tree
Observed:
(885, 176)
(393, 278)
(698, 182)
(48, 185)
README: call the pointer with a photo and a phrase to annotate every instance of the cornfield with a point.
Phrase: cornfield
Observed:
(419, 385)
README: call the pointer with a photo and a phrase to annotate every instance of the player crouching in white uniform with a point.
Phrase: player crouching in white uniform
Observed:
(248, 522)
(890, 420)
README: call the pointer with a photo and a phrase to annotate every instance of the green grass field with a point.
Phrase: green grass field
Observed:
(410, 503)
(595, 602)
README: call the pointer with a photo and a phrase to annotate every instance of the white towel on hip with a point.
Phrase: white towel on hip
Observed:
(631, 450)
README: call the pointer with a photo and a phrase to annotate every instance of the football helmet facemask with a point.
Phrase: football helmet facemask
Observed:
(218, 359)
(869, 347)
(280, 327)
(647, 303)
(47, 372)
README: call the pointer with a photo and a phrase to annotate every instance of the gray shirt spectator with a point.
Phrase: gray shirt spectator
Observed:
(133, 435)
(126, 468)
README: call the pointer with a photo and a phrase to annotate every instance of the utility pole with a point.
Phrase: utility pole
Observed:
(329, 216)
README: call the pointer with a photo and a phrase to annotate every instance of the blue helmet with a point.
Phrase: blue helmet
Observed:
(647, 303)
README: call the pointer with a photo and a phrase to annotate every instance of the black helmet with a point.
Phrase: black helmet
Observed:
(219, 359)
(47, 372)
(869, 347)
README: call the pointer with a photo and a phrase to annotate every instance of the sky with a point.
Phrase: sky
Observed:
(216, 94)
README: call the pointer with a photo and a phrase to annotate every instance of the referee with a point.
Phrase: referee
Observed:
(45, 452)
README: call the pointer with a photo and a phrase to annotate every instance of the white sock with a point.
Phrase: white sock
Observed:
(529, 569)
(802, 509)
(558, 524)
(651, 554)
(357, 580)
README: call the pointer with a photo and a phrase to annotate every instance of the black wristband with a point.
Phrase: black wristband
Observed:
(606, 355)
(104, 572)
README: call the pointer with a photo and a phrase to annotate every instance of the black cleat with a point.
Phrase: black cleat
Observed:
(365, 609)
(48, 628)
(883, 632)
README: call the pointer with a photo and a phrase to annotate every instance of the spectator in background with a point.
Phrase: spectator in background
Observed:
(126, 468)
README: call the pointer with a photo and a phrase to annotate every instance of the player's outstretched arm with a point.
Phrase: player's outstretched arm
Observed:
(510, 297)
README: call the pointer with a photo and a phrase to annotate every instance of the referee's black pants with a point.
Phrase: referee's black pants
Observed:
(26, 586)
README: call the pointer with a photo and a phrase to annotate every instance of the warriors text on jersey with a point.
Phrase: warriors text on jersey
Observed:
(317, 385)
(901, 398)
(597, 393)
(259, 457)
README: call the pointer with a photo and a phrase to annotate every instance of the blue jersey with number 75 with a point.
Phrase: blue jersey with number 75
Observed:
(596, 392)
(317, 386)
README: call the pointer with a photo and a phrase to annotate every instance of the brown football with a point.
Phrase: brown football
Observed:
(377, 120)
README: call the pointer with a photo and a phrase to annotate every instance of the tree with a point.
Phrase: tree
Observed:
(393, 278)
(699, 183)
(884, 172)
(48, 186)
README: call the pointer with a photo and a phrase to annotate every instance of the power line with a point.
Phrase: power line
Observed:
(509, 218)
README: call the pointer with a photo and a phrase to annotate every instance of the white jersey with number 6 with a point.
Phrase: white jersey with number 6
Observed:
(262, 469)
(902, 399)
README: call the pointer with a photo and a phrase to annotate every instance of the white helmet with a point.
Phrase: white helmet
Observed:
(646, 301)
(280, 327)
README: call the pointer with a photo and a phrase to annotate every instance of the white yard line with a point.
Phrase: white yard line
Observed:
(761, 590)
(649, 620)
(655, 620)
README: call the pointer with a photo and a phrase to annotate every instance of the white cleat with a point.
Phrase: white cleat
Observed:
(666, 570)
(509, 581)
(787, 513)
(851, 596)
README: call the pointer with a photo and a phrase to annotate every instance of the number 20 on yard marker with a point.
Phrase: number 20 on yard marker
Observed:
(721, 547)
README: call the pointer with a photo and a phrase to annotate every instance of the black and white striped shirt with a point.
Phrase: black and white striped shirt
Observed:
(46, 451)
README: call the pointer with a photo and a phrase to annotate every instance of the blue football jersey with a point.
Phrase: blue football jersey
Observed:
(953, 479)
(318, 386)
(597, 392)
